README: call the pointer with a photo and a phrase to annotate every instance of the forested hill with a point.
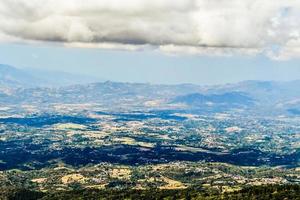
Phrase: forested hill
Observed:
(270, 192)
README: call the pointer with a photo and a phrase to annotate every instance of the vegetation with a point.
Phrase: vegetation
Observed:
(270, 192)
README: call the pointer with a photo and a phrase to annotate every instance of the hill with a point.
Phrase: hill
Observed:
(12, 77)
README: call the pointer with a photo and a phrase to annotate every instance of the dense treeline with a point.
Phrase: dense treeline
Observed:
(271, 192)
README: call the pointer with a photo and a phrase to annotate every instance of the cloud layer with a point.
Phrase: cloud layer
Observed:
(205, 27)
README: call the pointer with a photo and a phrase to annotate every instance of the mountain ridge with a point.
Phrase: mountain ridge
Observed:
(14, 77)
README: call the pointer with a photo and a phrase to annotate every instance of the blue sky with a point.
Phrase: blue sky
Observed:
(148, 66)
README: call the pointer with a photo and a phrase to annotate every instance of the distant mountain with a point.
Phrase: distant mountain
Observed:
(294, 111)
(13, 77)
(230, 98)
(270, 92)
(43, 87)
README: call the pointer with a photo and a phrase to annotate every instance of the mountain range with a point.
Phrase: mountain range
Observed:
(37, 86)
(28, 78)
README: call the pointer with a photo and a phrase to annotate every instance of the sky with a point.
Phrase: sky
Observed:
(157, 41)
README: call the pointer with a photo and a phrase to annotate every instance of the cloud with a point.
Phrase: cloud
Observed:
(204, 27)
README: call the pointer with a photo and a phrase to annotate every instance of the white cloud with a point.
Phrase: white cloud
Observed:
(205, 27)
